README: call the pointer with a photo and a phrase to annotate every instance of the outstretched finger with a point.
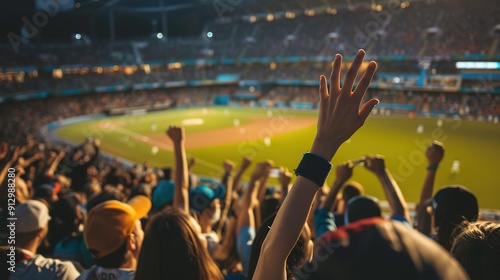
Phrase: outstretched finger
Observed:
(352, 73)
(365, 81)
(323, 92)
(323, 98)
(335, 77)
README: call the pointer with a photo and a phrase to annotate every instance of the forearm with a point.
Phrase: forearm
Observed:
(261, 193)
(277, 245)
(246, 216)
(3, 172)
(29, 161)
(181, 199)
(394, 196)
(237, 178)
(423, 220)
(227, 204)
(4, 166)
(53, 166)
(262, 187)
(428, 186)
(225, 179)
(332, 195)
(222, 252)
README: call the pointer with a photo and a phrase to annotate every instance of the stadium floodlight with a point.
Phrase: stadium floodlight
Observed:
(331, 11)
(290, 15)
(309, 12)
(80, 39)
(478, 65)
(159, 35)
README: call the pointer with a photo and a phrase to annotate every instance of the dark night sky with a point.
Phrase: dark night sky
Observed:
(88, 20)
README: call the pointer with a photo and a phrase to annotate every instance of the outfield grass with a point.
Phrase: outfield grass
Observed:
(474, 144)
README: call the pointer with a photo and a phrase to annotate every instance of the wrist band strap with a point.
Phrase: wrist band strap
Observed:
(433, 167)
(314, 168)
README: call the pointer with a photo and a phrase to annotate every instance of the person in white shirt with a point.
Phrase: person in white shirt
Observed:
(32, 226)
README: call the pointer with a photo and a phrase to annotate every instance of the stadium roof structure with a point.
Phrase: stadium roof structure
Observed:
(107, 19)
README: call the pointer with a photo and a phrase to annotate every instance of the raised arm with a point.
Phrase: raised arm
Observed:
(342, 173)
(181, 197)
(246, 216)
(29, 161)
(285, 178)
(261, 193)
(227, 181)
(223, 251)
(396, 200)
(324, 220)
(8, 158)
(245, 163)
(434, 154)
(339, 118)
(53, 166)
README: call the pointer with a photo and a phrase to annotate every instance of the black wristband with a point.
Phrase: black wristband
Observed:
(314, 168)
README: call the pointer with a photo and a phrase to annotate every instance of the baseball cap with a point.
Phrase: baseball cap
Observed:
(454, 201)
(163, 193)
(375, 248)
(109, 224)
(201, 196)
(31, 215)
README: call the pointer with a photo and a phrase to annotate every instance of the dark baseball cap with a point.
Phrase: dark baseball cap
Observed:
(452, 202)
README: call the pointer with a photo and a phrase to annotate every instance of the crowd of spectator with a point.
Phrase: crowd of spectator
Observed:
(78, 216)
(18, 120)
(22, 118)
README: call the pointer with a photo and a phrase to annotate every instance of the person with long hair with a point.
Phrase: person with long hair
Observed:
(477, 247)
(173, 249)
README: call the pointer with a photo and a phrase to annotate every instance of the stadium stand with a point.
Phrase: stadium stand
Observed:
(436, 58)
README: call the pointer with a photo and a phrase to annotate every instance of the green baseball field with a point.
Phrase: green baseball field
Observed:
(472, 149)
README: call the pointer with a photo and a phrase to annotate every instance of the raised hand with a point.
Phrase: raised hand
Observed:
(228, 166)
(285, 177)
(343, 172)
(339, 118)
(175, 133)
(340, 114)
(262, 169)
(435, 153)
(375, 164)
(245, 163)
(192, 161)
